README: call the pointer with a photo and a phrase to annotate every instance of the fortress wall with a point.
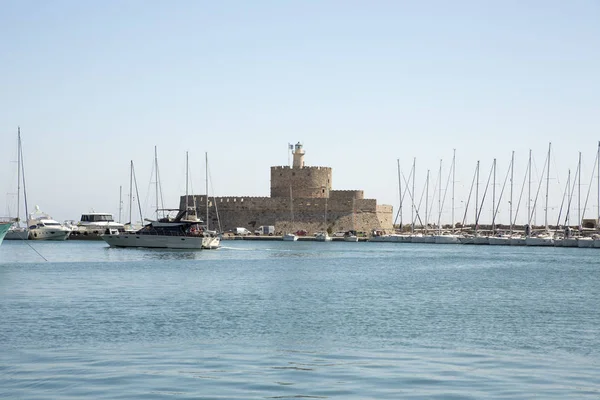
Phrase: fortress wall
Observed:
(306, 182)
(346, 194)
(309, 214)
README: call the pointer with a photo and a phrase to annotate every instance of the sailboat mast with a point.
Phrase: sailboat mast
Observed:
(22, 169)
(494, 200)
(130, 191)
(187, 169)
(400, 192)
(529, 192)
(19, 176)
(427, 202)
(206, 179)
(156, 177)
(440, 200)
(579, 194)
(598, 177)
(412, 209)
(547, 187)
(512, 174)
(476, 196)
(453, 177)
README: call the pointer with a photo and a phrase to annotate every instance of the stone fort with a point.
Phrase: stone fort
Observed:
(302, 197)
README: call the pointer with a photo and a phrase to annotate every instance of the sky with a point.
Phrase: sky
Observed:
(363, 85)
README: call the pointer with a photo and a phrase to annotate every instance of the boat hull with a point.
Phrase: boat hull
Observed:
(48, 234)
(16, 234)
(499, 241)
(211, 243)
(3, 230)
(290, 238)
(539, 241)
(155, 241)
(447, 239)
(585, 242)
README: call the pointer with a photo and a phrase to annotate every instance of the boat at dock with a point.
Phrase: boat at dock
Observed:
(92, 225)
(43, 227)
(4, 227)
(322, 237)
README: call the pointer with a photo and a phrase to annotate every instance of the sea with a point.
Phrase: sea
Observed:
(298, 320)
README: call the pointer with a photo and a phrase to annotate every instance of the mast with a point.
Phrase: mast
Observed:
(131, 192)
(156, 178)
(440, 200)
(512, 170)
(547, 187)
(206, 179)
(579, 194)
(529, 193)
(19, 176)
(494, 199)
(412, 209)
(598, 176)
(453, 177)
(427, 202)
(476, 197)
(399, 193)
(22, 170)
(187, 169)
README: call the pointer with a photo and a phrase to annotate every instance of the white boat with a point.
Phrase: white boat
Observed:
(351, 238)
(517, 240)
(43, 227)
(585, 242)
(4, 227)
(447, 239)
(212, 239)
(165, 233)
(92, 225)
(543, 239)
(290, 237)
(16, 231)
(322, 237)
(499, 240)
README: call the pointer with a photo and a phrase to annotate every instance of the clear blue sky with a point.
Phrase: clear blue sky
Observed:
(94, 85)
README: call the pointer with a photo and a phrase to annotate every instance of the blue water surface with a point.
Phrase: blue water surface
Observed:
(289, 320)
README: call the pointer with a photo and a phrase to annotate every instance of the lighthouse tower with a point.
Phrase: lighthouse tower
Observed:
(298, 156)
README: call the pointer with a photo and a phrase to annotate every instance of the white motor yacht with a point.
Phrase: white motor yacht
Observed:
(43, 227)
(92, 225)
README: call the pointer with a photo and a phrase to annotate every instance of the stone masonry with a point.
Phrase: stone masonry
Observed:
(301, 198)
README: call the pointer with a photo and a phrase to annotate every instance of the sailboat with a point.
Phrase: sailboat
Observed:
(4, 227)
(545, 238)
(443, 237)
(211, 240)
(179, 232)
(291, 237)
(17, 232)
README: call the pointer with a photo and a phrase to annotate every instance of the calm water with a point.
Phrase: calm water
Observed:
(281, 320)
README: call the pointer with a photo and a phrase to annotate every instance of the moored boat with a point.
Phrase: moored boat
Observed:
(43, 227)
(4, 227)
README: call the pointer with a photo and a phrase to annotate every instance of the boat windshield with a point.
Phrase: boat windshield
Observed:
(97, 218)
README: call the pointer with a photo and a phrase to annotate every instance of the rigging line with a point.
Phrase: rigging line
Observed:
(537, 193)
(469, 199)
(38, 253)
(502, 192)
(403, 195)
(483, 198)
(214, 200)
(514, 221)
(562, 203)
(413, 201)
(589, 187)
